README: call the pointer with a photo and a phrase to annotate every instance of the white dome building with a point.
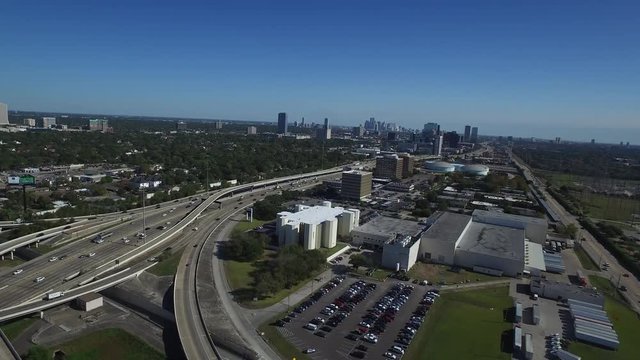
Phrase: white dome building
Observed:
(439, 166)
(475, 170)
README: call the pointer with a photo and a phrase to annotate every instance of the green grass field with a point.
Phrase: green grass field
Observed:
(601, 206)
(244, 225)
(328, 252)
(436, 273)
(11, 263)
(273, 337)
(625, 322)
(464, 325)
(14, 328)
(585, 260)
(109, 344)
(167, 266)
(239, 273)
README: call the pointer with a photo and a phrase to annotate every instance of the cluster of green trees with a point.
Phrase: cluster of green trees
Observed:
(597, 160)
(291, 265)
(359, 260)
(245, 246)
(267, 208)
(628, 261)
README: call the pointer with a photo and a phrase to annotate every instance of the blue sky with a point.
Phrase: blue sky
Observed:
(567, 68)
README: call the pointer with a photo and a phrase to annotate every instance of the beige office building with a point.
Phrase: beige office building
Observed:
(356, 184)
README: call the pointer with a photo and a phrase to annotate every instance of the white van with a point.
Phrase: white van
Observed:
(311, 327)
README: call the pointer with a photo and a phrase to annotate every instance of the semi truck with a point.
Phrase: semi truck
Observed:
(54, 295)
(581, 279)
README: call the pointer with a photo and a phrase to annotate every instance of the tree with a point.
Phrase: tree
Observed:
(38, 352)
(359, 260)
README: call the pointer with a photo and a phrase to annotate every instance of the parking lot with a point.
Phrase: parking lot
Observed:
(325, 328)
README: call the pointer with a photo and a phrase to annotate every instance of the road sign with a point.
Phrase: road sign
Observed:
(27, 180)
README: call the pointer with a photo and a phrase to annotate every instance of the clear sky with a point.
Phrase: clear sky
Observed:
(567, 68)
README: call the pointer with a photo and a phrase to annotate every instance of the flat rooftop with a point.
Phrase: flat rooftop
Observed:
(447, 228)
(357, 172)
(494, 240)
(312, 215)
(500, 215)
(383, 225)
(534, 256)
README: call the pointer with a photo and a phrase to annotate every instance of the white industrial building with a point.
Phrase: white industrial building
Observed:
(315, 226)
(381, 230)
(401, 253)
(489, 242)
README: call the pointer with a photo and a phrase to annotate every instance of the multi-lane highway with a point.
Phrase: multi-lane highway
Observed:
(82, 257)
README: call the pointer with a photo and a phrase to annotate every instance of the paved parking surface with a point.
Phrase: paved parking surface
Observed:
(335, 345)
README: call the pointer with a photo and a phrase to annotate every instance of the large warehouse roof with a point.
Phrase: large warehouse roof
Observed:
(494, 240)
(484, 216)
(383, 225)
(448, 227)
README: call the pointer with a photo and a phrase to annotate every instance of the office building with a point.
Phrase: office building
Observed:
(325, 132)
(407, 165)
(358, 131)
(467, 133)
(431, 129)
(474, 134)
(181, 126)
(356, 184)
(98, 125)
(4, 114)
(314, 227)
(282, 123)
(389, 167)
(29, 122)
(437, 145)
(371, 124)
(252, 130)
(217, 125)
(452, 139)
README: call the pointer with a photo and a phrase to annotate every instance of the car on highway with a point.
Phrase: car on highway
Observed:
(39, 279)
(309, 351)
(62, 257)
(53, 258)
(92, 254)
(165, 214)
(18, 271)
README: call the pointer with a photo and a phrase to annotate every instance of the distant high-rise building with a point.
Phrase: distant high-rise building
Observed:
(29, 122)
(467, 133)
(181, 126)
(389, 166)
(46, 122)
(252, 130)
(324, 133)
(593, 141)
(358, 131)
(4, 114)
(282, 123)
(302, 122)
(217, 125)
(474, 134)
(370, 124)
(407, 165)
(356, 184)
(452, 139)
(437, 145)
(98, 125)
(559, 139)
(430, 130)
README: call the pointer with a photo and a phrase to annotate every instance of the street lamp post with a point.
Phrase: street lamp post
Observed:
(144, 220)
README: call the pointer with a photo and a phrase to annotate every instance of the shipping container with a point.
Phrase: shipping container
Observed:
(517, 338)
(565, 355)
(518, 317)
(528, 345)
(536, 314)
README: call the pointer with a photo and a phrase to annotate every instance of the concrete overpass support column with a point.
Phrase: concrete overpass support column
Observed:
(11, 254)
(37, 244)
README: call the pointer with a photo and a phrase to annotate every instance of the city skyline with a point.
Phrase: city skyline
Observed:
(542, 69)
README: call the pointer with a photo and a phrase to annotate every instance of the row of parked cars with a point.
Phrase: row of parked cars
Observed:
(406, 334)
(375, 322)
(340, 308)
(325, 289)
